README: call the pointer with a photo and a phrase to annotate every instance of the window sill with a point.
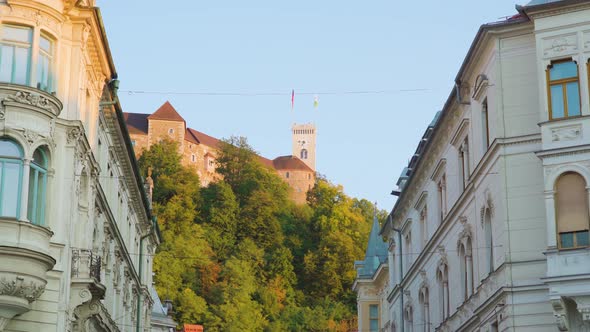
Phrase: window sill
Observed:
(573, 118)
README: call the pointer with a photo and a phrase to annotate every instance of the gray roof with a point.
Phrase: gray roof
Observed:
(376, 253)
(160, 313)
(540, 2)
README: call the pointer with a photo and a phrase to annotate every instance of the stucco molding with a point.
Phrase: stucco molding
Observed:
(560, 314)
(553, 173)
(19, 287)
(487, 206)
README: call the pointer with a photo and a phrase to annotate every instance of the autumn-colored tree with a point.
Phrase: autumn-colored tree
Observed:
(238, 255)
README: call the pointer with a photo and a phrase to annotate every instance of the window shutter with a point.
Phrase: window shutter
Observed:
(571, 203)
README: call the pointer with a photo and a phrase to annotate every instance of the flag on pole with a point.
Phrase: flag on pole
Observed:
(316, 101)
(292, 98)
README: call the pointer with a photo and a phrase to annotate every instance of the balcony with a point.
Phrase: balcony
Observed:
(24, 262)
(22, 97)
(86, 272)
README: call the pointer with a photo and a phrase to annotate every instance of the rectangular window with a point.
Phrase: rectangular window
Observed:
(485, 124)
(374, 318)
(563, 89)
(15, 54)
(44, 70)
(574, 239)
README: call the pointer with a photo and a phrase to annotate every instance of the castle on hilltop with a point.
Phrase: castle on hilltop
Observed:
(200, 150)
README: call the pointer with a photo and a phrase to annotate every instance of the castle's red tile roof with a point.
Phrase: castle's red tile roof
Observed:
(136, 123)
(290, 163)
(265, 161)
(203, 138)
(166, 112)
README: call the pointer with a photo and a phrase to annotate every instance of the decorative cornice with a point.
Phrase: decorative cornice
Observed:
(13, 94)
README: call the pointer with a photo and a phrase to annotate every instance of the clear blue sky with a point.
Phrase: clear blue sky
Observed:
(364, 140)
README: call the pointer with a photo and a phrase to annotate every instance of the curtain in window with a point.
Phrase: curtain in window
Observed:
(571, 201)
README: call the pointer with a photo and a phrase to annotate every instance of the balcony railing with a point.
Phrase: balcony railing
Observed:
(85, 264)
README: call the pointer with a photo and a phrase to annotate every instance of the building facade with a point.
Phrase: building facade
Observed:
(491, 224)
(76, 232)
(199, 150)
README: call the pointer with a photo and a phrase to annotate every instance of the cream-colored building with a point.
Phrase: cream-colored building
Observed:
(76, 233)
(492, 214)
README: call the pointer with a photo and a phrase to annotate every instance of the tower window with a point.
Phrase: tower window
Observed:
(287, 175)
(171, 131)
(193, 158)
(304, 154)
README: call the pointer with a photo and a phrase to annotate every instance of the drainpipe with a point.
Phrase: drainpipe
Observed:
(137, 325)
(114, 85)
(401, 277)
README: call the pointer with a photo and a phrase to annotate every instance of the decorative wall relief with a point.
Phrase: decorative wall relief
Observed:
(560, 45)
(569, 133)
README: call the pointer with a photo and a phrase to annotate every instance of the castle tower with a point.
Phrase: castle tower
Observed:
(304, 136)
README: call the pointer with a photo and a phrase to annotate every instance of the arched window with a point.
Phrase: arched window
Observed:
(11, 167)
(571, 210)
(466, 264)
(303, 154)
(37, 187)
(425, 308)
(409, 319)
(489, 244)
(443, 283)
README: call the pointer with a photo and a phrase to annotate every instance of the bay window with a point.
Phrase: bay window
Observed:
(17, 63)
(15, 54)
(44, 73)
(563, 89)
(11, 167)
(37, 188)
(15, 172)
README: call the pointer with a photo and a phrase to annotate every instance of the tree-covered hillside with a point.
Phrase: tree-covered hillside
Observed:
(238, 255)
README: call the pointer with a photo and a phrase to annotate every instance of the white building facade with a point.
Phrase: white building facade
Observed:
(76, 234)
(493, 209)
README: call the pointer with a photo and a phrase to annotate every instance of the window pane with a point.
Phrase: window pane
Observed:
(32, 195)
(567, 240)
(582, 239)
(39, 158)
(21, 68)
(43, 73)
(563, 70)
(45, 44)
(16, 34)
(373, 311)
(6, 59)
(573, 99)
(374, 325)
(557, 101)
(40, 207)
(9, 148)
(10, 192)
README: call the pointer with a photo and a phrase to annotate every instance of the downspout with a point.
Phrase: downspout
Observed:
(114, 85)
(401, 277)
(137, 325)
